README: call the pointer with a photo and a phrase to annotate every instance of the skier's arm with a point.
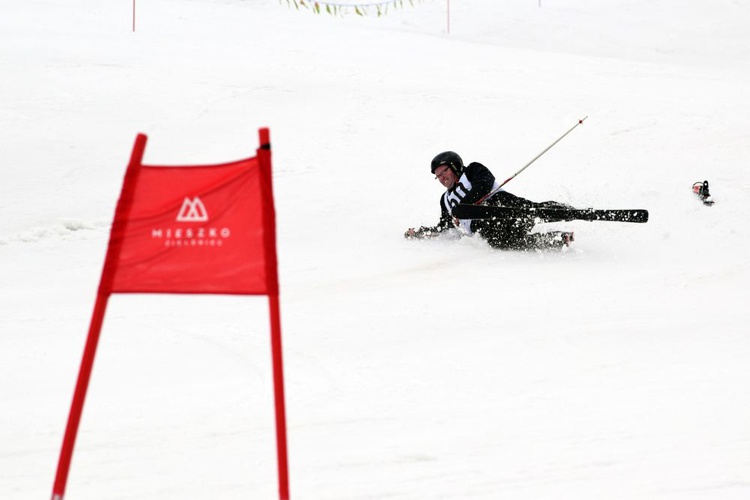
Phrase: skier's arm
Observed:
(445, 223)
(481, 180)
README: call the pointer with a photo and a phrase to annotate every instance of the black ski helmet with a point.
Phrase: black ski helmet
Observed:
(450, 159)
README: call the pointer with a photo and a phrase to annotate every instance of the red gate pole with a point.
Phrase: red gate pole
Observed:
(278, 384)
(76, 408)
(272, 285)
(448, 13)
(100, 307)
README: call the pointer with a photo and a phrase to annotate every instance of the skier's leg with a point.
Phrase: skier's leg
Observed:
(506, 199)
(553, 204)
(505, 234)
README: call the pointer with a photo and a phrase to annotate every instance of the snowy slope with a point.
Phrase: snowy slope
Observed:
(439, 369)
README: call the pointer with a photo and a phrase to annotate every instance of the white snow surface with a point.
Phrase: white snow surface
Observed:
(618, 369)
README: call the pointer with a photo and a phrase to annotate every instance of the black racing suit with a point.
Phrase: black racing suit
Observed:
(475, 183)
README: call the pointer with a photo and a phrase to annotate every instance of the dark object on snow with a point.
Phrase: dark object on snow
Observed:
(701, 189)
(554, 214)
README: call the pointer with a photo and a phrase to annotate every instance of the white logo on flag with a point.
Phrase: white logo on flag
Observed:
(192, 211)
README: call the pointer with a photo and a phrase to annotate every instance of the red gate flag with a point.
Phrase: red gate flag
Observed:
(192, 229)
(196, 229)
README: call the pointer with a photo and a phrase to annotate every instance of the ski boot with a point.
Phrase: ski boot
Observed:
(701, 189)
(551, 240)
(568, 237)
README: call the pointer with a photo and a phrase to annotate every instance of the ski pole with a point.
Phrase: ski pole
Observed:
(532, 161)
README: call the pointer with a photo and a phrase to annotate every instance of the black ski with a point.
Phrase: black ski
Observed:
(464, 211)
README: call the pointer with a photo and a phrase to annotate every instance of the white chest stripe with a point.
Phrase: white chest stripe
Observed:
(453, 197)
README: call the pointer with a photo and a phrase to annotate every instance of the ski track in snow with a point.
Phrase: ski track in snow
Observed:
(64, 229)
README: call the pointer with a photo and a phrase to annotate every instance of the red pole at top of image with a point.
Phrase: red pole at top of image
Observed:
(448, 14)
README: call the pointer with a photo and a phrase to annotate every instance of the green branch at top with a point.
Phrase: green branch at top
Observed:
(360, 9)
